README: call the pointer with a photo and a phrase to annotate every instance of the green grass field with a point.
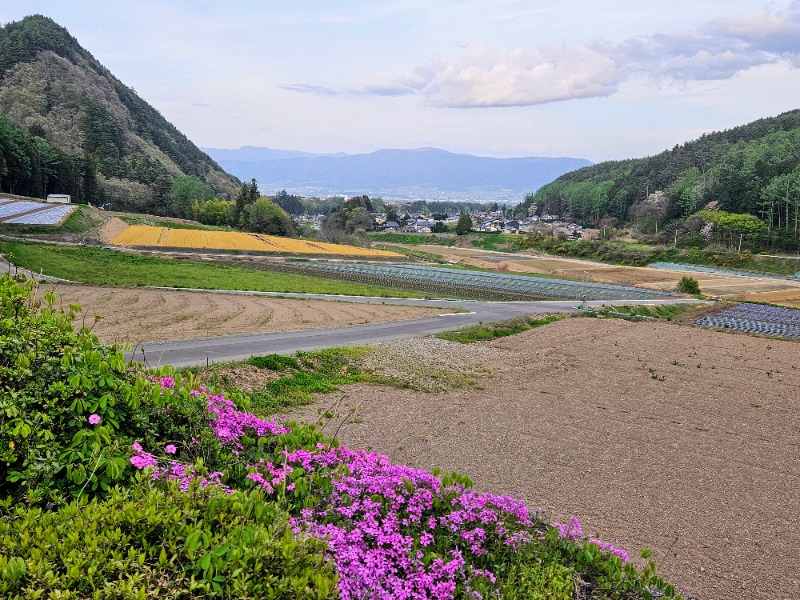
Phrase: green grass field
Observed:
(109, 267)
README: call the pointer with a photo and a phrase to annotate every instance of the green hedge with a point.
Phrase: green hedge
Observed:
(70, 407)
(146, 542)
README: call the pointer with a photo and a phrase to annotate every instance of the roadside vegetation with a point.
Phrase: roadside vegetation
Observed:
(490, 331)
(664, 312)
(276, 383)
(152, 484)
(108, 267)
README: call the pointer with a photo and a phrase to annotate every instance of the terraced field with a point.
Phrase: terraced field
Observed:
(471, 284)
(756, 318)
(147, 236)
(24, 212)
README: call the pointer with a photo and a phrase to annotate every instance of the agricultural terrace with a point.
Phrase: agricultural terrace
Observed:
(167, 237)
(471, 284)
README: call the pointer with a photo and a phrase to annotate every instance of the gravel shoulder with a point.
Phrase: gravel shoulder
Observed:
(675, 438)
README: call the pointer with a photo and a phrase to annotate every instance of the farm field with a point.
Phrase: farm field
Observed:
(756, 318)
(107, 267)
(139, 315)
(26, 212)
(675, 438)
(146, 236)
(471, 283)
(785, 291)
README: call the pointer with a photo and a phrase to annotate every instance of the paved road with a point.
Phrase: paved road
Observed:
(182, 353)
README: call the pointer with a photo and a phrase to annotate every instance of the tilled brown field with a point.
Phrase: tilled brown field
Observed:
(143, 315)
(676, 438)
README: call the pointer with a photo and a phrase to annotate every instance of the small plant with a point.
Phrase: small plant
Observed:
(688, 285)
(274, 362)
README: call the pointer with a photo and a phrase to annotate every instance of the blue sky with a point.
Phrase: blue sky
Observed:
(598, 80)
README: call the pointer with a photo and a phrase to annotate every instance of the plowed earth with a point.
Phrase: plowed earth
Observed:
(142, 315)
(676, 438)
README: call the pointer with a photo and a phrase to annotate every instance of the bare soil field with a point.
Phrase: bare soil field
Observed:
(656, 435)
(111, 229)
(660, 279)
(143, 315)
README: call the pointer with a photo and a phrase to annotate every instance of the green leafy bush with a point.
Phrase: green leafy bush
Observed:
(274, 362)
(146, 542)
(70, 407)
(688, 285)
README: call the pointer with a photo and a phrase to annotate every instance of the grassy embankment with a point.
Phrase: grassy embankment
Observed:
(662, 312)
(131, 219)
(108, 267)
(490, 331)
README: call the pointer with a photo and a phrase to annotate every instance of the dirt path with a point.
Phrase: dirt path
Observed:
(141, 314)
(676, 438)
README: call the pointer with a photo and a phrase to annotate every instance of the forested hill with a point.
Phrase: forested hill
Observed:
(749, 169)
(67, 125)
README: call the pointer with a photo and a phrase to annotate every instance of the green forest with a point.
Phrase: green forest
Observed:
(67, 125)
(752, 170)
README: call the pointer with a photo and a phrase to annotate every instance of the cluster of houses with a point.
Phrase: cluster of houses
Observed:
(487, 222)
(491, 222)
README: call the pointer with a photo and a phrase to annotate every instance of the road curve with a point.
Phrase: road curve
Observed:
(200, 351)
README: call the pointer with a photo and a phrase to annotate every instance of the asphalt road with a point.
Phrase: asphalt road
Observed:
(182, 353)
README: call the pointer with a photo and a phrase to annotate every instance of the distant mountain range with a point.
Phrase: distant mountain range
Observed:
(423, 173)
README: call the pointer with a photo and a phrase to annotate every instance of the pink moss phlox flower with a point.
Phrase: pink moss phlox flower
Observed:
(230, 424)
(170, 449)
(382, 522)
(573, 532)
(94, 419)
(373, 528)
(570, 531)
(609, 547)
(141, 459)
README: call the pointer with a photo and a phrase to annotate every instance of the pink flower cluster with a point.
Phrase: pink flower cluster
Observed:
(379, 521)
(173, 470)
(393, 532)
(573, 531)
(230, 424)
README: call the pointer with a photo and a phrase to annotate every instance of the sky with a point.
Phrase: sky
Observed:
(580, 78)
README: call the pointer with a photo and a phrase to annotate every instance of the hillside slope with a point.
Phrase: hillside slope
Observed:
(751, 169)
(70, 126)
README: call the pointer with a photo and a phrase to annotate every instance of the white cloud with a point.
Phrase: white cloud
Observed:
(481, 77)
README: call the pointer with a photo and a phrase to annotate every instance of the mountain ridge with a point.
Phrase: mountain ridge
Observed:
(412, 173)
(55, 91)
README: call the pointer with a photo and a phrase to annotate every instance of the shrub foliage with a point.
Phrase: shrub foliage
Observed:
(121, 484)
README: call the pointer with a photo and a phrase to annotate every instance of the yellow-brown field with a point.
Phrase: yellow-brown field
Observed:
(163, 237)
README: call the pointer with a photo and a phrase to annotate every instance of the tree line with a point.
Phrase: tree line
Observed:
(752, 170)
